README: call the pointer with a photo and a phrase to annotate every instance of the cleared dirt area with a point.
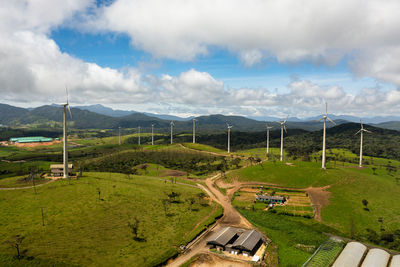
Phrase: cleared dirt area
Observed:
(208, 260)
(320, 198)
(37, 144)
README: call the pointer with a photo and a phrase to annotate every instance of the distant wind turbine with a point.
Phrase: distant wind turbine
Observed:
(172, 127)
(324, 136)
(229, 137)
(268, 127)
(361, 132)
(283, 127)
(194, 130)
(152, 134)
(139, 135)
(65, 145)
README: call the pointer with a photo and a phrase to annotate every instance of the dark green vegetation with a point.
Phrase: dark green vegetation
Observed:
(326, 254)
(101, 219)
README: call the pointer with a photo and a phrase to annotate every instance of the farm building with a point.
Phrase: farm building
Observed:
(57, 170)
(376, 258)
(222, 237)
(236, 241)
(247, 243)
(31, 139)
(351, 255)
(271, 199)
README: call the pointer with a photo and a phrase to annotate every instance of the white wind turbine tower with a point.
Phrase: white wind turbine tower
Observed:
(172, 127)
(268, 127)
(194, 130)
(65, 143)
(283, 127)
(324, 136)
(361, 142)
(139, 135)
(119, 135)
(229, 137)
(152, 134)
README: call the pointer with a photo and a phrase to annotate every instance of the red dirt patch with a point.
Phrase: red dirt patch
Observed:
(37, 144)
(319, 198)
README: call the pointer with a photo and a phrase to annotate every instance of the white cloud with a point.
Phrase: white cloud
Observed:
(34, 69)
(291, 31)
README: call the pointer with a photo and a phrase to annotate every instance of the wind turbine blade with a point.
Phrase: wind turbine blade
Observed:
(284, 127)
(286, 119)
(66, 90)
(367, 131)
(69, 110)
(359, 131)
(278, 122)
(319, 119)
(331, 120)
(326, 108)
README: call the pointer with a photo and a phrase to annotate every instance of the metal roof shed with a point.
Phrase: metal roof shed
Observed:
(248, 240)
(222, 237)
(376, 258)
(395, 261)
(351, 255)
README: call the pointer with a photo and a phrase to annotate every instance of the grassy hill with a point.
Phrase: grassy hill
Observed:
(85, 228)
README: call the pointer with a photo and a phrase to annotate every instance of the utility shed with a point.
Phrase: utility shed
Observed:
(376, 258)
(395, 261)
(248, 242)
(57, 170)
(351, 255)
(222, 237)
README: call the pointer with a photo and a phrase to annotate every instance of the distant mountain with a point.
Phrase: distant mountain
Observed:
(82, 118)
(100, 109)
(393, 125)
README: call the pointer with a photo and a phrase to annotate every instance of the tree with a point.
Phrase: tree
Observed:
(165, 203)
(99, 192)
(236, 162)
(15, 242)
(191, 201)
(134, 226)
(365, 203)
(374, 169)
(380, 220)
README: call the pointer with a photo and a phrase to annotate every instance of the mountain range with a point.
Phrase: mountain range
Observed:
(100, 117)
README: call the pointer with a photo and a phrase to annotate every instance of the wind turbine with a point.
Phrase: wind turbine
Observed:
(268, 127)
(361, 132)
(229, 137)
(139, 135)
(194, 130)
(324, 136)
(172, 127)
(283, 127)
(65, 146)
(152, 134)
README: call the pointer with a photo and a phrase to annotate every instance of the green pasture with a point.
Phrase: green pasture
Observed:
(83, 227)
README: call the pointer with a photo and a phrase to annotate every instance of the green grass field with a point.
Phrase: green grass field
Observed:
(297, 238)
(82, 230)
(326, 254)
(349, 185)
(202, 147)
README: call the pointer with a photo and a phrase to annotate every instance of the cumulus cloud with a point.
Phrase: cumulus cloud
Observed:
(33, 68)
(291, 31)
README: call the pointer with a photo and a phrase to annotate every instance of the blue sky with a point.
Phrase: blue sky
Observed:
(260, 58)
